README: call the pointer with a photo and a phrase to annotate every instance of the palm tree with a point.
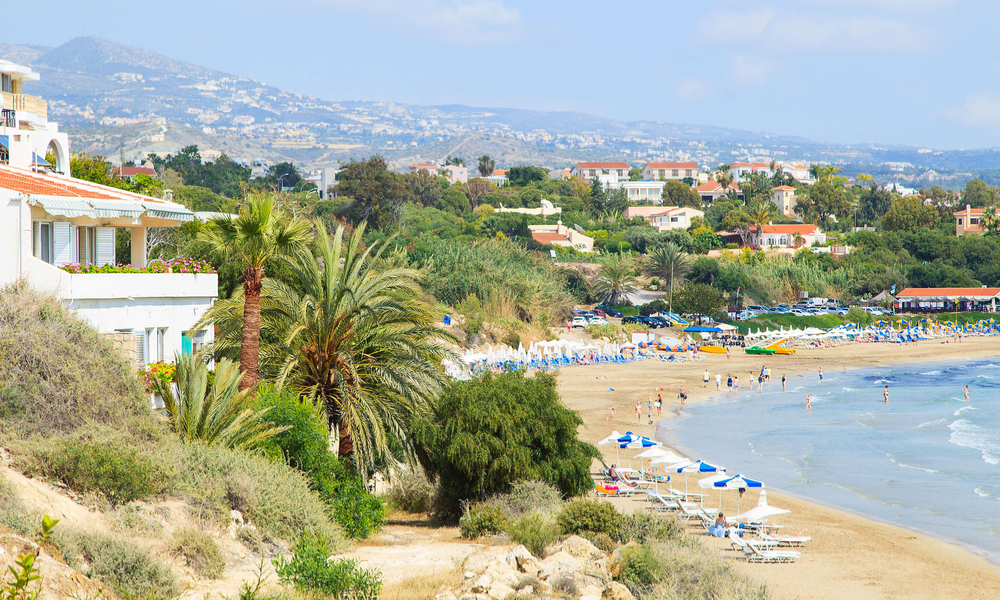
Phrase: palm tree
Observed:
(259, 233)
(486, 165)
(616, 281)
(217, 413)
(669, 262)
(353, 337)
(761, 214)
(724, 177)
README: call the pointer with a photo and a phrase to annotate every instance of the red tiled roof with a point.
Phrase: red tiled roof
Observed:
(797, 229)
(423, 165)
(972, 211)
(713, 186)
(785, 187)
(38, 184)
(739, 164)
(949, 292)
(548, 238)
(603, 165)
(672, 165)
(133, 171)
(500, 172)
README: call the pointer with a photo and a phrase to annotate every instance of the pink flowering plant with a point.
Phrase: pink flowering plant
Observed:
(163, 372)
(181, 265)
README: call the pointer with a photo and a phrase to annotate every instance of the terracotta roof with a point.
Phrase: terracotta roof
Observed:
(785, 187)
(949, 292)
(38, 184)
(713, 186)
(419, 165)
(972, 211)
(672, 165)
(603, 165)
(739, 164)
(797, 229)
(132, 171)
(548, 238)
(500, 172)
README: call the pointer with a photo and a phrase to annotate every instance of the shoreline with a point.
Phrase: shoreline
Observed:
(896, 558)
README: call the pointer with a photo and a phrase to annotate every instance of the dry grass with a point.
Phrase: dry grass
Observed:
(424, 587)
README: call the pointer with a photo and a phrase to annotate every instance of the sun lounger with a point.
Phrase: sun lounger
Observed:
(686, 495)
(600, 490)
(770, 556)
(785, 540)
(741, 544)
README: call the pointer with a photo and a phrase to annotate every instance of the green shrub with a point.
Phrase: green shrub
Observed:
(603, 541)
(578, 516)
(527, 498)
(480, 520)
(311, 570)
(639, 569)
(534, 532)
(305, 446)
(477, 447)
(275, 497)
(124, 566)
(411, 491)
(200, 550)
(13, 514)
(130, 519)
(119, 473)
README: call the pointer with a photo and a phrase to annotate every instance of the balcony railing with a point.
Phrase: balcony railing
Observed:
(32, 104)
(7, 118)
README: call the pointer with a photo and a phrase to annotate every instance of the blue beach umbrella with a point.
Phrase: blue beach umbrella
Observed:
(737, 482)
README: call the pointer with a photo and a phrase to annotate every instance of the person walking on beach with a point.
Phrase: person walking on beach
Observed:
(649, 404)
(821, 373)
(809, 401)
(727, 353)
(729, 383)
(682, 394)
(782, 383)
(966, 393)
(718, 382)
(885, 394)
(706, 377)
(611, 413)
(736, 383)
(845, 367)
(659, 403)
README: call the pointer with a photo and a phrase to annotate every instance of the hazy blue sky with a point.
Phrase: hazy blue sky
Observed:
(920, 72)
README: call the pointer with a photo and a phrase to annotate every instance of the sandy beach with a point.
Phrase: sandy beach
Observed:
(850, 556)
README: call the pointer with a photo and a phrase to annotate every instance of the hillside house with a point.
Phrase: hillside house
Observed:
(453, 173)
(712, 190)
(674, 217)
(638, 192)
(784, 200)
(968, 220)
(49, 220)
(588, 171)
(559, 235)
(667, 171)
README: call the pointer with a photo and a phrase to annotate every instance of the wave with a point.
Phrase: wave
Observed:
(982, 493)
(932, 423)
(963, 409)
(906, 466)
(931, 373)
(968, 435)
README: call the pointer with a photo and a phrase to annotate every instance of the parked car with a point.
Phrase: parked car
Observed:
(836, 310)
(579, 322)
(632, 320)
(798, 312)
(660, 321)
(610, 312)
(756, 309)
(598, 321)
(784, 307)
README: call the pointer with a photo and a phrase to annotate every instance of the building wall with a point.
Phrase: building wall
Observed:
(668, 174)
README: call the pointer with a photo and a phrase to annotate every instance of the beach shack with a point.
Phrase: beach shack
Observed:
(980, 299)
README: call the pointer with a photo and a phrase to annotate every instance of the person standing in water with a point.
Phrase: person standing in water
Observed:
(782, 382)
(821, 373)
(966, 393)
(809, 401)
(885, 394)
(718, 382)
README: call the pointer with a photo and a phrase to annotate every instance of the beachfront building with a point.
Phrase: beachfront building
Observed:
(780, 237)
(52, 224)
(588, 171)
(667, 171)
(968, 220)
(712, 190)
(559, 235)
(784, 200)
(638, 192)
(498, 178)
(674, 217)
(983, 299)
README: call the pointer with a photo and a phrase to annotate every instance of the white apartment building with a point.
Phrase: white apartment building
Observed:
(674, 217)
(637, 191)
(667, 171)
(49, 220)
(588, 171)
(453, 173)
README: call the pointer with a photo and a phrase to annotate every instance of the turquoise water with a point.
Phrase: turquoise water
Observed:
(928, 461)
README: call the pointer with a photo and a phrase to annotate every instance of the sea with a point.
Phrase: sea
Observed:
(928, 460)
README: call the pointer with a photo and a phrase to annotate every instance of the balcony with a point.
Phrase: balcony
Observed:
(121, 286)
(26, 103)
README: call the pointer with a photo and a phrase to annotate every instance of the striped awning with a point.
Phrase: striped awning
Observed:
(168, 210)
(64, 207)
(115, 209)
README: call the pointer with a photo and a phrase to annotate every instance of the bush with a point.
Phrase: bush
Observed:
(311, 570)
(305, 446)
(534, 532)
(123, 565)
(603, 542)
(639, 569)
(640, 528)
(476, 447)
(578, 516)
(411, 491)
(527, 498)
(13, 514)
(200, 551)
(119, 473)
(480, 520)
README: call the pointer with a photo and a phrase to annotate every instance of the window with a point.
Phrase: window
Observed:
(960, 220)
(149, 345)
(41, 242)
(88, 246)
(161, 342)
(6, 84)
(973, 220)
(592, 173)
(675, 172)
(687, 172)
(663, 172)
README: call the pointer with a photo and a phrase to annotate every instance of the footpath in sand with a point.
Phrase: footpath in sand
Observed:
(849, 556)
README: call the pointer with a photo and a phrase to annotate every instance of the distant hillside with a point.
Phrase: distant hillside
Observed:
(111, 97)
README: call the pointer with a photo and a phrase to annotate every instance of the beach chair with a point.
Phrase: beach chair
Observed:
(689, 496)
(758, 555)
(741, 545)
(785, 540)
(604, 492)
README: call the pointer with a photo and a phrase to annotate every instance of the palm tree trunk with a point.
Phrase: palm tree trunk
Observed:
(346, 440)
(250, 348)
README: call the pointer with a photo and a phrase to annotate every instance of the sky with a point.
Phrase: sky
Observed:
(914, 72)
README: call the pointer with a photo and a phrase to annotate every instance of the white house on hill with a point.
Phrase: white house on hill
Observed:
(49, 220)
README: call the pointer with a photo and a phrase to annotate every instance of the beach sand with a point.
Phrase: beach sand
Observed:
(850, 556)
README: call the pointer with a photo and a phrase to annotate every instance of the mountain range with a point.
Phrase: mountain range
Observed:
(123, 101)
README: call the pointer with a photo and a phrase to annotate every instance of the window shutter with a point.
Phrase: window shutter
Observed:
(36, 236)
(105, 246)
(61, 243)
(140, 348)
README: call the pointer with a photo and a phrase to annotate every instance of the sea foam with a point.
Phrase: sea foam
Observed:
(968, 435)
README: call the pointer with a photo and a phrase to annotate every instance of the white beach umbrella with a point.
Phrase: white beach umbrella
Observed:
(652, 453)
